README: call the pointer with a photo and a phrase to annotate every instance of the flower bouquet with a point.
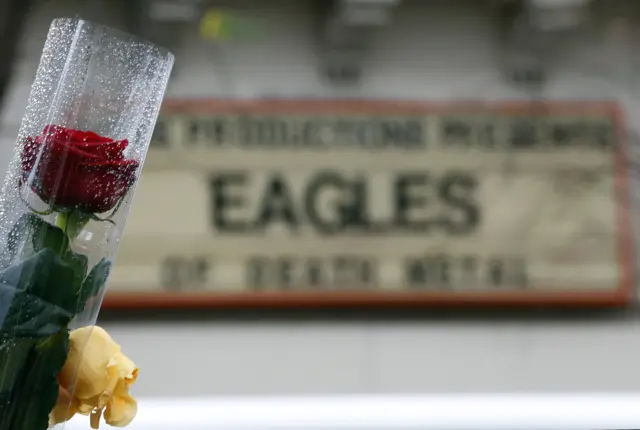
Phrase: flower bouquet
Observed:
(81, 146)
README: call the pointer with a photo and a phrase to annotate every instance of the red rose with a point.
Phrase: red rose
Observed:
(78, 169)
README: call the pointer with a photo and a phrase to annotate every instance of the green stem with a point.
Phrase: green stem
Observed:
(72, 222)
(62, 219)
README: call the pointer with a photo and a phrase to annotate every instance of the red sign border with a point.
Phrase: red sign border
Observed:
(622, 296)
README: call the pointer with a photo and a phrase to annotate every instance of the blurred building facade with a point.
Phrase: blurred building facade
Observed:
(429, 50)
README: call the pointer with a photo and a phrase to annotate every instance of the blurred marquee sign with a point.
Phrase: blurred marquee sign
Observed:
(219, 25)
(283, 203)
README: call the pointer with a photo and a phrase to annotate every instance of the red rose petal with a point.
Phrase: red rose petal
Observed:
(79, 168)
(91, 136)
(102, 186)
(112, 163)
(63, 147)
(113, 150)
(29, 154)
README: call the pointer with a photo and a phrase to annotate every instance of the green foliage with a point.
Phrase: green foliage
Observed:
(36, 309)
(43, 285)
(35, 396)
(95, 281)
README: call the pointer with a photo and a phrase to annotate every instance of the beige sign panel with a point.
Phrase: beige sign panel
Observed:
(320, 203)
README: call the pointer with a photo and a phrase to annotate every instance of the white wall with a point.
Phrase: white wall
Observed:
(373, 357)
(429, 52)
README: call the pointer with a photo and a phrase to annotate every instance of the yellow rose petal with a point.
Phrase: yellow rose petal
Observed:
(90, 350)
(127, 367)
(120, 411)
(102, 376)
(66, 407)
(94, 419)
(86, 409)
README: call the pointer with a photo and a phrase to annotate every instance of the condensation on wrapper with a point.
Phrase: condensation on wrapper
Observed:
(78, 157)
(91, 78)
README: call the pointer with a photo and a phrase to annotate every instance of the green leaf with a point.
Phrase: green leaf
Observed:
(79, 263)
(43, 236)
(5, 405)
(13, 356)
(95, 281)
(18, 242)
(26, 384)
(45, 277)
(36, 307)
(29, 235)
(40, 292)
(22, 229)
(75, 222)
(28, 316)
(33, 399)
(47, 236)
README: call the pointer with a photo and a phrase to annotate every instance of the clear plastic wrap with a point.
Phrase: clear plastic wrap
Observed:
(80, 149)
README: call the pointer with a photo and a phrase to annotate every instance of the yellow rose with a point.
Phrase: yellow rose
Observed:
(102, 377)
